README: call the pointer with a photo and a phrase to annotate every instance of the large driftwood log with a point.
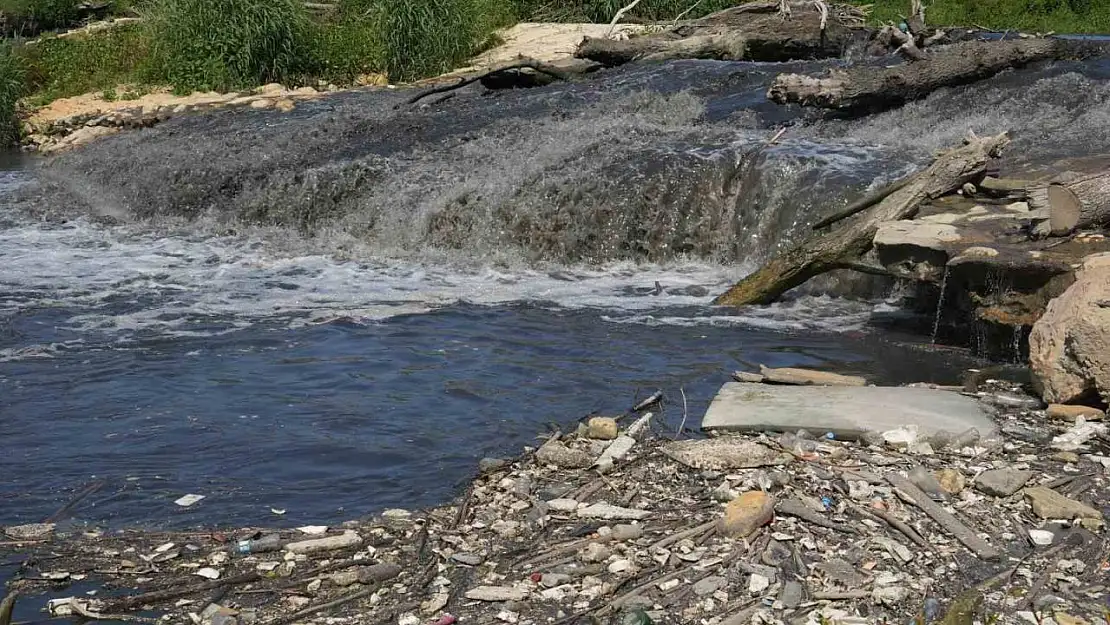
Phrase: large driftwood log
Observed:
(1073, 201)
(843, 248)
(860, 89)
(755, 32)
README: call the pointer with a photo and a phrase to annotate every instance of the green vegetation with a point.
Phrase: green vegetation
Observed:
(234, 44)
(1060, 16)
(11, 88)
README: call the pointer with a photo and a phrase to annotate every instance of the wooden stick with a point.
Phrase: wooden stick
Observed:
(157, 596)
(897, 524)
(619, 15)
(795, 508)
(674, 538)
(951, 524)
(462, 82)
(309, 611)
(87, 614)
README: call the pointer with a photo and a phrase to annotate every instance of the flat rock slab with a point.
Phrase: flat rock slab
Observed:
(847, 412)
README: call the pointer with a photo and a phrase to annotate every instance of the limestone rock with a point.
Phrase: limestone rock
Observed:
(1049, 504)
(747, 513)
(285, 105)
(1002, 482)
(1069, 347)
(1071, 413)
(602, 428)
(724, 453)
(594, 552)
(916, 234)
(951, 481)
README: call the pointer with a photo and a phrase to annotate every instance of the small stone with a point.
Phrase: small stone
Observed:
(555, 453)
(624, 531)
(469, 559)
(1071, 413)
(602, 428)
(1002, 482)
(890, 595)
(271, 88)
(551, 580)
(496, 593)
(594, 552)
(261, 103)
(791, 595)
(620, 566)
(758, 583)
(1049, 504)
(1069, 457)
(709, 585)
(435, 603)
(1041, 537)
(900, 438)
(747, 513)
(396, 514)
(208, 573)
(562, 505)
(841, 572)
(925, 480)
(951, 481)
(489, 465)
(968, 189)
(285, 105)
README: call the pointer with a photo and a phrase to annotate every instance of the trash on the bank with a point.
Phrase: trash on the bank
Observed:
(330, 543)
(313, 530)
(208, 573)
(277, 511)
(188, 500)
(264, 544)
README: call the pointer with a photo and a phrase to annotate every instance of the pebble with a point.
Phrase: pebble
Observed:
(900, 438)
(551, 580)
(562, 505)
(1071, 413)
(1041, 537)
(496, 593)
(1069, 457)
(890, 595)
(555, 453)
(709, 585)
(1001, 482)
(624, 531)
(758, 583)
(594, 552)
(489, 465)
(747, 513)
(792, 595)
(469, 559)
(951, 481)
(620, 566)
(602, 428)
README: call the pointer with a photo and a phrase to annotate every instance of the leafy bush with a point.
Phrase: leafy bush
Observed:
(348, 43)
(11, 89)
(227, 44)
(602, 11)
(1062, 16)
(59, 67)
(428, 37)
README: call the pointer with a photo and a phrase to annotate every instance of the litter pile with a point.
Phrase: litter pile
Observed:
(624, 525)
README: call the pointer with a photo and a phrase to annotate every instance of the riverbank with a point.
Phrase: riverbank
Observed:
(618, 521)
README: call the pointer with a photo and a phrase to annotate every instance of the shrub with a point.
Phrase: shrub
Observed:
(428, 37)
(227, 44)
(11, 89)
(348, 43)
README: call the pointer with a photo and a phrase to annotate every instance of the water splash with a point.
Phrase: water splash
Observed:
(940, 305)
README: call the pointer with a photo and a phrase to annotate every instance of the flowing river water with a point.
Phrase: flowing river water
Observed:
(342, 309)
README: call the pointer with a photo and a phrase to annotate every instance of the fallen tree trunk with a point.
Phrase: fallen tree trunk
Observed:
(866, 89)
(1073, 201)
(754, 32)
(843, 248)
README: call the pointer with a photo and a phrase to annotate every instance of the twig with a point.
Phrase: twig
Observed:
(127, 603)
(619, 15)
(686, 12)
(775, 139)
(840, 595)
(823, 9)
(462, 82)
(355, 596)
(795, 508)
(898, 524)
(685, 413)
(674, 538)
(464, 508)
(951, 524)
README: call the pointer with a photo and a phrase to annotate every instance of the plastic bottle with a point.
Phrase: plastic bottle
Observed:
(269, 542)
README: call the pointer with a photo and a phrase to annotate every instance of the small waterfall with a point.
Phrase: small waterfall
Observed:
(940, 305)
(1015, 343)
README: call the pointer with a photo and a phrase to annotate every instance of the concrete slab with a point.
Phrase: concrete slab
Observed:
(846, 411)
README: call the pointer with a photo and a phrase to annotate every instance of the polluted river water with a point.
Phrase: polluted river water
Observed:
(340, 310)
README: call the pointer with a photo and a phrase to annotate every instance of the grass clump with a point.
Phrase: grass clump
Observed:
(423, 38)
(11, 89)
(61, 67)
(202, 45)
(1060, 16)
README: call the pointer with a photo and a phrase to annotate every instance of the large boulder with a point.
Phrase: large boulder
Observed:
(1069, 348)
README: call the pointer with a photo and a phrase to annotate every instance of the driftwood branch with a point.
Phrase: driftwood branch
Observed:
(547, 69)
(863, 203)
(845, 246)
(754, 31)
(863, 89)
(149, 598)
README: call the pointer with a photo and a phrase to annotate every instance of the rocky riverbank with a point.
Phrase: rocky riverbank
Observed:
(611, 523)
